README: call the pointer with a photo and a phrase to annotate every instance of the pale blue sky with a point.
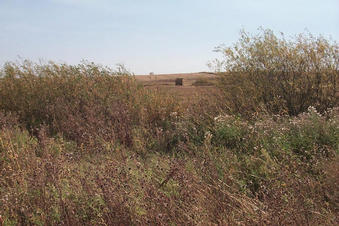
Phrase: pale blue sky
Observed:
(160, 36)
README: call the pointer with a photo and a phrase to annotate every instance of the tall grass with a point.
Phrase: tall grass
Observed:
(86, 103)
(87, 145)
(242, 172)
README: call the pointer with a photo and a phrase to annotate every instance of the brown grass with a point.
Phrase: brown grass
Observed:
(188, 92)
(85, 146)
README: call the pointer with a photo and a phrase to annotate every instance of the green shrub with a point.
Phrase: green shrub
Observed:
(312, 136)
(230, 132)
(279, 75)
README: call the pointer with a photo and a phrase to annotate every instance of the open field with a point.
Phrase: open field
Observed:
(194, 85)
(169, 79)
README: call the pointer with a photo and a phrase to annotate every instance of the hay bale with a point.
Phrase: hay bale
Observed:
(179, 81)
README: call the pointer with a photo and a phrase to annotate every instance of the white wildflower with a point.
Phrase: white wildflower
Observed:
(174, 114)
(208, 135)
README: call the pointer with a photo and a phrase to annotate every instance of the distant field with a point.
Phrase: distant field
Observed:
(194, 84)
(169, 79)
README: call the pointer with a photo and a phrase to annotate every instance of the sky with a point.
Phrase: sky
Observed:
(159, 36)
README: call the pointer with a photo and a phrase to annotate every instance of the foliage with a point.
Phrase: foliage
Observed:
(246, 175)
(271, 73)
(85, 103)
(85, 145)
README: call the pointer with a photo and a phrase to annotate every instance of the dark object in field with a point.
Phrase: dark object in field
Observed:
(179, 81)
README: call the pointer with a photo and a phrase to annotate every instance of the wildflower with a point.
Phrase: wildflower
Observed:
(313, 111)
(222, 118)
(174, 114)
(208, 135)
(217, 118)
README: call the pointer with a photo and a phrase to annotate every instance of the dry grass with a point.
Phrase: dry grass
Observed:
(83, 145)
(189, 92)
(157, 79)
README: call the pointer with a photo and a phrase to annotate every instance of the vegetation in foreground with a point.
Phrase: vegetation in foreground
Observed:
(89, 145)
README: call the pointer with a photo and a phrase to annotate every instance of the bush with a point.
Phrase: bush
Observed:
(8, 120)
(86, 103)
(274, 74)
